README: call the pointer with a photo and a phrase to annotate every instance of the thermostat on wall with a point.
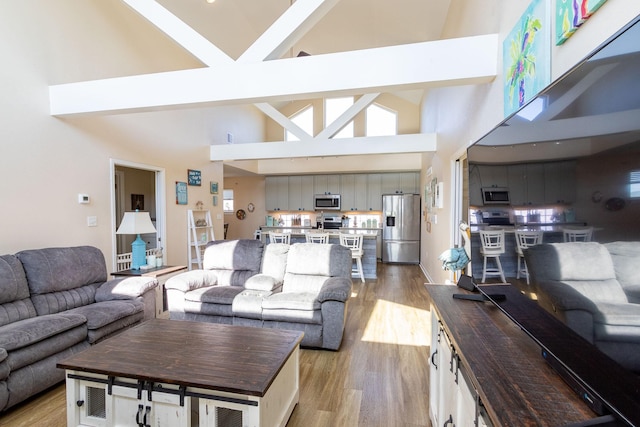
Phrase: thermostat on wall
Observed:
(83, 198)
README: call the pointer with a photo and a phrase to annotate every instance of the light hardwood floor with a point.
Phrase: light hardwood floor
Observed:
(379, 377)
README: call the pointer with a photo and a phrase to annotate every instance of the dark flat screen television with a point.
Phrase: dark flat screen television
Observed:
(585, 129)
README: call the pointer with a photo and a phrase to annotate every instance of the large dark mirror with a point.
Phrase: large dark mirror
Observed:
(570, 161)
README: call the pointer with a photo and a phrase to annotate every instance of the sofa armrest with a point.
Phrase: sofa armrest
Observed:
(125, 288)
(262, 282)
(632, 292)
(335, 289)
(191, 280)
(563, 297)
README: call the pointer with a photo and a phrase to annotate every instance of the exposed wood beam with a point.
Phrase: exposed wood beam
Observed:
(414, 143)
(363, 102)
(468, 60)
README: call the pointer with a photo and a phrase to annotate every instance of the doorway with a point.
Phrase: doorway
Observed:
(137, 186)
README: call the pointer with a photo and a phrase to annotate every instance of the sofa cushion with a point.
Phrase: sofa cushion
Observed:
(28, 355)
(274, 261)
(14, 292)
(319, 260)
(292, 301)
(233, 260)
(626, 259)
(617, 322)
(214, 294)
(600, 291)
(56, 302)
(262, 282)
(248, 303)
(30, 331)
(103, 313)
(62, 269)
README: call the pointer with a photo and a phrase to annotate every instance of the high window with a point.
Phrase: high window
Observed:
(381, 121)
(634, 184)
(333, 108)
(304, 119)
(227, 201)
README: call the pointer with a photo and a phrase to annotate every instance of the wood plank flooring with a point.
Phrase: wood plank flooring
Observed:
(379, 377)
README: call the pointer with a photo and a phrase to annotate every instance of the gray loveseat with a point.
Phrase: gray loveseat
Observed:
(595, 289)
(303, 287)
(55, 302)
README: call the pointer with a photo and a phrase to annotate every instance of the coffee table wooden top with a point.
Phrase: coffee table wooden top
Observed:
(228, 358)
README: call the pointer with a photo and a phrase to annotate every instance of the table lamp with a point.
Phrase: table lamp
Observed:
(137, 223)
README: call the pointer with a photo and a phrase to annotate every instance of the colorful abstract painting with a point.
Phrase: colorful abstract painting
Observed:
(570, 14)
(526, 54)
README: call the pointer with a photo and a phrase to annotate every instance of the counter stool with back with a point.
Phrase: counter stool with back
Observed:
(492, 247)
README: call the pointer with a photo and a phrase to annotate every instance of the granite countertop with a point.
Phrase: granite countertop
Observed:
(301, 231)
(547, 228)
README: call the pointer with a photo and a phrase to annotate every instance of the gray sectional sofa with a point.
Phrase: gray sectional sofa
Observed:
(303, 287)
(55, 302)
(595, 290)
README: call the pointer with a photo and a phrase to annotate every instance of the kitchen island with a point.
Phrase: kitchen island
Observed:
(370, 237)
(553, 233)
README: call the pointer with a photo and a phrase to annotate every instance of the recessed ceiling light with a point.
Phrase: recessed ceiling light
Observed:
(210, 1)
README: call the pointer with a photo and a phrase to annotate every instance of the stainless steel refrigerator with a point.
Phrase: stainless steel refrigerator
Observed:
(401, 228)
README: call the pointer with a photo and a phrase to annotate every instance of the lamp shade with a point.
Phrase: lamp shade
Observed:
(136, 223)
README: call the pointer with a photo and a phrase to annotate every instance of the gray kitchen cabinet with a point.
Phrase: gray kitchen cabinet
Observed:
(526, 184)
(475, 186)
(374, 192)
(353, 191)
(494, 176)
(326, 184)
(402, 182)
(300, 193)
(560, 182)
(277, 193)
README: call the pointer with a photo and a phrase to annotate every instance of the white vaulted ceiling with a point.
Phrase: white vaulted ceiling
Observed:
(248, 50)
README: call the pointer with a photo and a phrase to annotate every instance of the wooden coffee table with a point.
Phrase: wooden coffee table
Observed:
(180, 373)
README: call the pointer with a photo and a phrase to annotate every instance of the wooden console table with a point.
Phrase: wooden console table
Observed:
(181, 373)
(501, 370)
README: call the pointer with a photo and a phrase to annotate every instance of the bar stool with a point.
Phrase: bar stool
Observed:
(275, 237)
(354, 242)
(492, 247)
(524, 240)
(577, 234)
(317, 237)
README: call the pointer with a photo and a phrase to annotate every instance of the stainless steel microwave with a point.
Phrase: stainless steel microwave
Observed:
(495, 196)
(326, 202)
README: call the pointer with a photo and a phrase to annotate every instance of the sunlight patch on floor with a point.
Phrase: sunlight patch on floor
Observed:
(400, 324)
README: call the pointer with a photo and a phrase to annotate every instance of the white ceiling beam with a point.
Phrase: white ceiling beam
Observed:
(564, 129)
(294, 23)
(283, 121)
(183, 34)
(468, 60)
(363, 102)
(413, 143)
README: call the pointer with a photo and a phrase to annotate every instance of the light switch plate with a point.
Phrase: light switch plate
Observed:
(92, 221)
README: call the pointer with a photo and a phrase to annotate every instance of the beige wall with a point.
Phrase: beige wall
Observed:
(246, 189)
(479, 108)
(46, 161)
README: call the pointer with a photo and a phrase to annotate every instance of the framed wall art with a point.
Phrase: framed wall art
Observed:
(213, 187)
(181, 193)
(194, 177)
